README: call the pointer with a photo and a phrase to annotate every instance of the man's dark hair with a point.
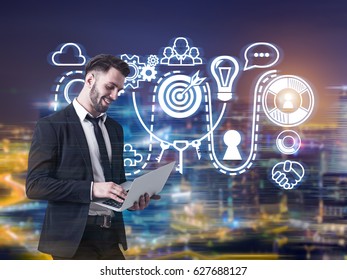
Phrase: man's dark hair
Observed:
(103, 62)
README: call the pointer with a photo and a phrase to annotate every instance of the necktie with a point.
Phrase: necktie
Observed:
(105, 162)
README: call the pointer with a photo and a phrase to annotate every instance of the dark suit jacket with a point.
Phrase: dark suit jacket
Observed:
(60, 172)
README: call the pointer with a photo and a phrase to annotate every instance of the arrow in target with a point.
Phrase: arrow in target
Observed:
(194, 81)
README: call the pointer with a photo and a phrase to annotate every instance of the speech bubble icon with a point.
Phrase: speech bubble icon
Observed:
(261, 55)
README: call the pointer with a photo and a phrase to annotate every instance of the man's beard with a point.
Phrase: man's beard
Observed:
(97, 105)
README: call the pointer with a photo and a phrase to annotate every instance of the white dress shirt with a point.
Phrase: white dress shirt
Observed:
(94, 152)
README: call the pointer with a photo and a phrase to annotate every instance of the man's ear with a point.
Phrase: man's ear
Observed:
(90, 80)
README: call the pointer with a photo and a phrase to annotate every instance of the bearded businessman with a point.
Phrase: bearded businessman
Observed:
(76, 157)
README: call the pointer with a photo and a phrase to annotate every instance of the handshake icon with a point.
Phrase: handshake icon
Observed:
(287, 174)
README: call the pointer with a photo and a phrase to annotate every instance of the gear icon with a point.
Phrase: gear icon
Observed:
(148, 73)
(152, 60)
(135, 66)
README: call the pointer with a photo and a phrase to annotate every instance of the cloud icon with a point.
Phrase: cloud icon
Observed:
(70, 54)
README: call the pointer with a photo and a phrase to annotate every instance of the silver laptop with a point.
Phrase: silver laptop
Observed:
(151, 183)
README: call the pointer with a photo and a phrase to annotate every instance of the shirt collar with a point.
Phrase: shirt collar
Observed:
(82, 112)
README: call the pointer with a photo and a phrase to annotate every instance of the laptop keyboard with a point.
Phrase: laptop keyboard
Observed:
(113, 203)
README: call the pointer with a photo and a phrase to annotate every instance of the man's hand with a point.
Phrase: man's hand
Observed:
(109, 190)
(143, 201)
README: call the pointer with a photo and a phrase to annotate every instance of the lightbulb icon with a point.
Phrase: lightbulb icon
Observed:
(225, 70)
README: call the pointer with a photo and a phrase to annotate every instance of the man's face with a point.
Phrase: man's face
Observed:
(105, 89)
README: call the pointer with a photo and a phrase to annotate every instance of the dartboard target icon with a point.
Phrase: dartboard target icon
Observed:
(180, 95)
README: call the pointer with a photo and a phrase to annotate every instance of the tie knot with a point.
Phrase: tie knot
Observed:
(94, 121)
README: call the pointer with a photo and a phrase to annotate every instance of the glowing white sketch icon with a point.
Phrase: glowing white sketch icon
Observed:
(69, 85)
(67, 89)
(148, 73)
(133, 79)
(224, 70)
(288, 100)
(270, 57)
(180, 95)
(181, 54)
(232, 139)
(288, 142)
(287, 174)
(132, 157)
(152, 60)
(63, 50)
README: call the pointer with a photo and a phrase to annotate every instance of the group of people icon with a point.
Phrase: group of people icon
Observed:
(181, 54)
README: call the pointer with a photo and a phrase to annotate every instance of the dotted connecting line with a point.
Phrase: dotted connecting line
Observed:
(60, 82)
(137, 171)
(209, 126)
(154, 98)
(234, 171)
(150, 130)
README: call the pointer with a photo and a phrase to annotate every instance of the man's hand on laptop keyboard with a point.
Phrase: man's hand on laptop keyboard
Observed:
(109, 190)
(143, 201)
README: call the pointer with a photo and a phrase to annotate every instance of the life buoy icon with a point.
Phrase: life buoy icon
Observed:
(288, 101)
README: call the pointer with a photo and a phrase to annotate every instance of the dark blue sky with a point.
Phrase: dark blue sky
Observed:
(311, 34)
